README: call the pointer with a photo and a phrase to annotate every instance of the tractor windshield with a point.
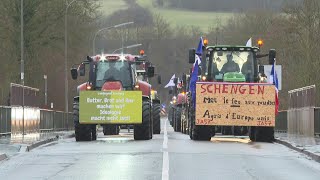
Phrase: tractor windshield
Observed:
(114, 71)
(235, 62)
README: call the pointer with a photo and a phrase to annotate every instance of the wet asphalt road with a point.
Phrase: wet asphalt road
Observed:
(169, 155)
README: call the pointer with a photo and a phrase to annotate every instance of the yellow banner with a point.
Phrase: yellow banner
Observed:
(235, 104)
(110, 107)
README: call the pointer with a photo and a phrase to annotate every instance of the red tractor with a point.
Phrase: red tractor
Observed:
(112, 72)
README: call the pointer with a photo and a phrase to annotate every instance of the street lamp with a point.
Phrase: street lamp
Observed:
(103, 29)
(22, 66)
(127, 47)
(66, 53)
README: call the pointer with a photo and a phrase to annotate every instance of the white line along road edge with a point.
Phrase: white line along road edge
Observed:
(165, 160)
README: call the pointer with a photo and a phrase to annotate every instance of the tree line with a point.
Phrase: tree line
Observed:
(225, 5)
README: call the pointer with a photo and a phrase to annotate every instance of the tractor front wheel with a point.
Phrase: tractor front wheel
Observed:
(156, 118)
(83, 132)
(142, 131)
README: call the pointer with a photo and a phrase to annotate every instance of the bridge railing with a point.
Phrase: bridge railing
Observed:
(35, 120)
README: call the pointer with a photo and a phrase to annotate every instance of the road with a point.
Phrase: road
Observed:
(169, 155)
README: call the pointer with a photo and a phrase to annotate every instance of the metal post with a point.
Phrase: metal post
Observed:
(66, 57)
(66, 54)
(22, 66)
(45, 90)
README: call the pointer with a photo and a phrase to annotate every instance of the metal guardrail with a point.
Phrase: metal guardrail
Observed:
(317, 121)
(282, 122)
(35, 120)
(5, 120)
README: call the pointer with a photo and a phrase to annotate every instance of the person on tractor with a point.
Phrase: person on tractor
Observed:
(112, 73)
(230, 65)
(247, 68)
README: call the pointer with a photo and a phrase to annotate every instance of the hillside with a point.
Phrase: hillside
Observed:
(176, 17)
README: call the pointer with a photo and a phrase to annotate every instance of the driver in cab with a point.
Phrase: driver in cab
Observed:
(112, 73)
(230, 65)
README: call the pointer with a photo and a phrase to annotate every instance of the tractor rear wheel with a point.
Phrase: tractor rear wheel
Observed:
(142, 131)
(177, 120)
(94, 132)
(156, 110)
(83, 132)
(200, 133)
(263, 134)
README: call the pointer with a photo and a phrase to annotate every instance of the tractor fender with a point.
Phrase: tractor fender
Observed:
(145, 88)
(81, 87)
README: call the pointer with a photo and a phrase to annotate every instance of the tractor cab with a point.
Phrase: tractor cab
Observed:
(226, 63)
(110, 72)
(143, 66)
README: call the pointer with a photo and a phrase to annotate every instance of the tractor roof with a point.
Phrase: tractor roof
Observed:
(114, 57)
(232, 48)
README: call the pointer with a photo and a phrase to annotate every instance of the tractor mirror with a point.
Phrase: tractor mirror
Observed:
(192, 55)
(82, 70)
(74, 73)
(272, 56)
(159, 79)
(150, 71)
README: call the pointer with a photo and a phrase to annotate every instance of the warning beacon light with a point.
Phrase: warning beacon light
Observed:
(141, 52)
(205, 42)
(260, 42)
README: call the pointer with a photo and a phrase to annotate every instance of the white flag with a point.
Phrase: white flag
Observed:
(171, 83)
(249, 43)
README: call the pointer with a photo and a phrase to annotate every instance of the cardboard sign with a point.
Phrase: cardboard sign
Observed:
(110, 107)
(235, 104)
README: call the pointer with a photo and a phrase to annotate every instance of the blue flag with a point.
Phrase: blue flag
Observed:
(200, 46)
(194, 75)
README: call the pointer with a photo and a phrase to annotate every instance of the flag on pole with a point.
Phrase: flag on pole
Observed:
(273, 78)
(171, 83)
(194, 75)
(249, 43)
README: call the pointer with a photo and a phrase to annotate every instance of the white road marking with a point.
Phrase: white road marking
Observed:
(165, 160)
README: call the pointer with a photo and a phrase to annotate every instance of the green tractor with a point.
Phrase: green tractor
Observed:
(230, 64)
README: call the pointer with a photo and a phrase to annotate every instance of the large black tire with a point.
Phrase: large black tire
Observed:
(190, 124)
(83, 132)
(252, 133)
(200, 133)
(263, 134)
(94, 132)
(143, 131)
(177, 120)
(184, 121)
(156, 118)
(111, 129)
